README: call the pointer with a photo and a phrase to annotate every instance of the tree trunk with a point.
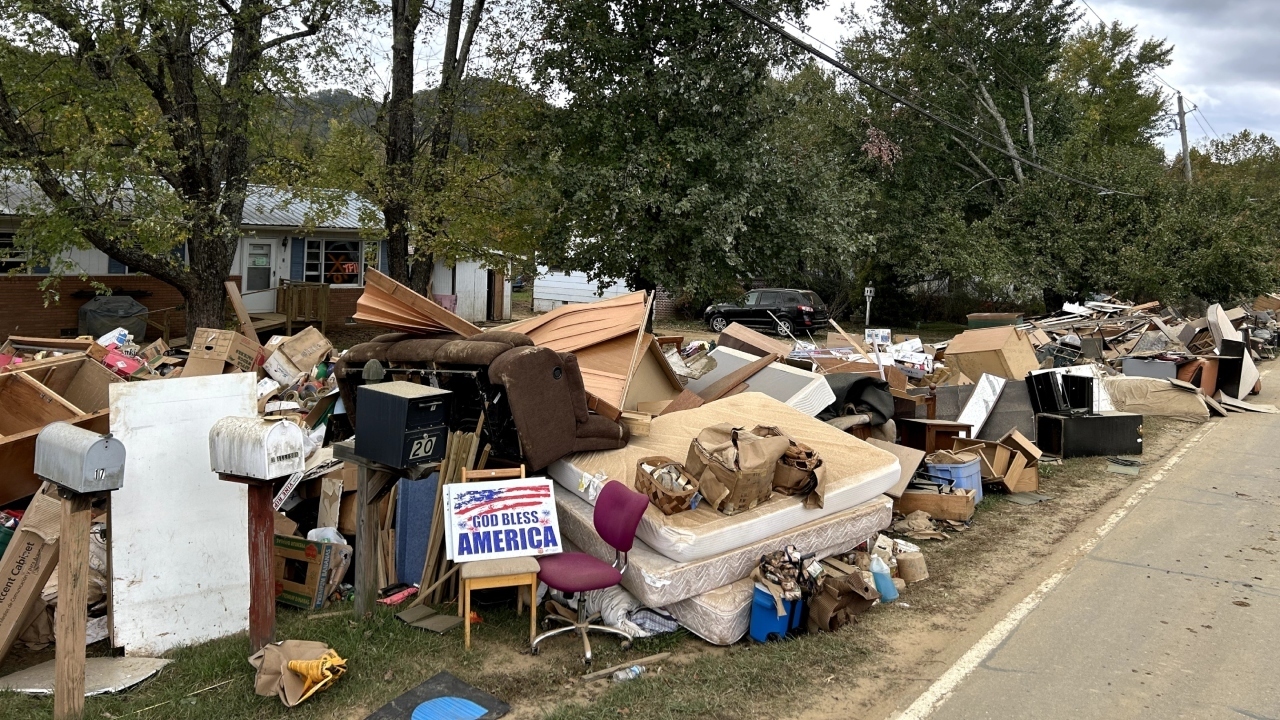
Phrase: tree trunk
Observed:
(211, 257)
(401, 144)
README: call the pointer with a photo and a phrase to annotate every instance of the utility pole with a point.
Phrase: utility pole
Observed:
(1186, 152)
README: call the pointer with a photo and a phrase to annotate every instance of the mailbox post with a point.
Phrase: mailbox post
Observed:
(258, 453)
(86, 467)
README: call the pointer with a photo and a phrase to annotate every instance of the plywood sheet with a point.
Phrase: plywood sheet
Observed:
(389, 304)
(579, 325)
(28, 405)
(180, 535)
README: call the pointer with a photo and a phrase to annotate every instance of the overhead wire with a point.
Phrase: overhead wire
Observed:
(775, 27)
(906, 91)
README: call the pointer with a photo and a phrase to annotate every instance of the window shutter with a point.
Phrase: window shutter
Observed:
(297, 257)
(115, 267)
(383, 262)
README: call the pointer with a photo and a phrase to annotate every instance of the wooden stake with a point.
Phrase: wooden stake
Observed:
(73, 599)
(262, 581)
(610, 670)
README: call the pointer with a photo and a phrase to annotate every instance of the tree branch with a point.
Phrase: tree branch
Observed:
(984, 99)
(1031, 121)
(978, 161)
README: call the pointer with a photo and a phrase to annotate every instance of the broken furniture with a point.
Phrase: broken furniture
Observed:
(1109, 433)
(1003, 351)
(257, 452)
(519, 572)
(86, 467)
(617, 515)
(930, 435)
(531, 400)
(373, 481)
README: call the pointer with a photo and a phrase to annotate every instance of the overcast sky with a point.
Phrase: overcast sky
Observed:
(1225, 58)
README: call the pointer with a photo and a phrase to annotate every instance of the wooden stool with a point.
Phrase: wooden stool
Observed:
(508, 572)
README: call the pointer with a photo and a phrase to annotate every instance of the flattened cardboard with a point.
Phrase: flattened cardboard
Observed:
(908, 460)
(1002, 351)
(27, 565)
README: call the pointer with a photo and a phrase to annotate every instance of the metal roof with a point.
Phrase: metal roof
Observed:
(264, 207)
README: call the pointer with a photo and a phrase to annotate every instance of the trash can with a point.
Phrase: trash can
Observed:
(967, 476)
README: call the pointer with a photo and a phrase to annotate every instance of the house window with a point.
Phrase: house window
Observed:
(337, 262)
(12, 258)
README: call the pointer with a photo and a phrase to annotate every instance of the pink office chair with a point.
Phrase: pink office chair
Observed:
(616, 516)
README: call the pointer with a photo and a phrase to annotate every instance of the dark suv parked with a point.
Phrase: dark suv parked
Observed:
(791, 310)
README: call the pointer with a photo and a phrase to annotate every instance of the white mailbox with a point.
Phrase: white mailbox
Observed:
(79, 460)
(258, 448)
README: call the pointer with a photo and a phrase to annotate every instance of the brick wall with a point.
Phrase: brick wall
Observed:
(23, 311)
(342, 304)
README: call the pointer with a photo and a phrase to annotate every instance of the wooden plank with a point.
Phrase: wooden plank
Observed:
(422, 306)
(18, 454)
(242, 314)
(721, 387)
(601, 407)
(366, 545)
(647, 660)
(686, 400)
(28, 405)
(73, 599)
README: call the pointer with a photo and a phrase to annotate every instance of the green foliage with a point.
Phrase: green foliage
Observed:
(678, 158)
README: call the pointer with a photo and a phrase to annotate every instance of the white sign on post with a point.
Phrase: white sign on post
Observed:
(500, 519)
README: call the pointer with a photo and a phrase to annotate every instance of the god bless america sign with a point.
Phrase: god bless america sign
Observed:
(501, 519)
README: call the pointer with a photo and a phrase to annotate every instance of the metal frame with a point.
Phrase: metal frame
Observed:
(584, 624)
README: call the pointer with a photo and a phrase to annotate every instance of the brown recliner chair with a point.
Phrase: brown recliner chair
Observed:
(549, 404)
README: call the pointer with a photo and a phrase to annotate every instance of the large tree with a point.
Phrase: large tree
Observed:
(673, 158)
(141, 124)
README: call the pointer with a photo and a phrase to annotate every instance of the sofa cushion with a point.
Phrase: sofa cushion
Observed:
(514, 339)
(470, 352)
(418, 351)
(574, 374)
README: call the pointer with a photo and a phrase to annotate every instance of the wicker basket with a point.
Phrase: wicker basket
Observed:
(795, 472)
(669, 502)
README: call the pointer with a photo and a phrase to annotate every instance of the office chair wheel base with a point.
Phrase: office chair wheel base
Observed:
(534, 650)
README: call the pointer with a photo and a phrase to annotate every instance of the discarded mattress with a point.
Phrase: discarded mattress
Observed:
(659, 581)
(721, 616)
(856, 472)
(805, 391)
(1154, 396)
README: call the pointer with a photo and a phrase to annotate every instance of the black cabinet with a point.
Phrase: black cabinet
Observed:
(402, 424)
(1108, 433)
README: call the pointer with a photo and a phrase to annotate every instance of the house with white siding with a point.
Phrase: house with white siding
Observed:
(281, 240)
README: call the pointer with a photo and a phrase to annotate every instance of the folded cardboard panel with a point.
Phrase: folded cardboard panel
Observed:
(305, 570)
(27, 565)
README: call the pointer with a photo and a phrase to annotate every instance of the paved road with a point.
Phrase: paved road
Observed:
(1174, 614)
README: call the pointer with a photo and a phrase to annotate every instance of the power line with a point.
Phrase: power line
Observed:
(901, 88)
(1206, 122)
(877, 87)
(775, 27)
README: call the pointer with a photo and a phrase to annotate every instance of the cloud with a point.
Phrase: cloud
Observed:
(1225, 59)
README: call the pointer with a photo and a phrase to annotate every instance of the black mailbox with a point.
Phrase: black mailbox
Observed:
(402, 424)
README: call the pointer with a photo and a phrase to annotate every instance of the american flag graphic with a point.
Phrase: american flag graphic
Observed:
(471, 504)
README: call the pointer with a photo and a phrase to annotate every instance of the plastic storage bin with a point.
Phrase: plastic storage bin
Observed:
(766, 624)
(967, 476)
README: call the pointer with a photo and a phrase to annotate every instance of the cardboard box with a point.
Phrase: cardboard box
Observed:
(1002, 351)
(994, 457)
(297, 356)
(306, 571)
(955, 506)
(216, 348)
(1023, 474)
(27, 565)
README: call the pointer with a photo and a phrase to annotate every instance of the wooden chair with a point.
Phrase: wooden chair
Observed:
(508, 572)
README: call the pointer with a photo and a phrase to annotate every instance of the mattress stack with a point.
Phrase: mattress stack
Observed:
(695, 563)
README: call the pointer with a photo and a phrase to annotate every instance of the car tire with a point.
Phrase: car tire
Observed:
(784, 327)
(718, 323)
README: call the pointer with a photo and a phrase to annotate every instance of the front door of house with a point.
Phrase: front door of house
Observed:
(258, 280)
